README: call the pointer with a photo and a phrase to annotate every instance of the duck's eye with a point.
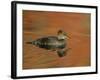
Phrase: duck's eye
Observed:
(60, 31)
(65, 34)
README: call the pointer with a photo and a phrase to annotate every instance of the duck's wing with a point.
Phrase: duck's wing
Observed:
(45, 42)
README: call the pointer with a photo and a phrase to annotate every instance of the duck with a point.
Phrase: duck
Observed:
(53, 43)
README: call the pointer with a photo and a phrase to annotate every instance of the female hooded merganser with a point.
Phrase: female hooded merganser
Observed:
(54, 43)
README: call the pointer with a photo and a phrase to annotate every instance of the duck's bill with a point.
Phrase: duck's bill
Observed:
(68, 37)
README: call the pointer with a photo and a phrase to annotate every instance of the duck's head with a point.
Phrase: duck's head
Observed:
(62, 35)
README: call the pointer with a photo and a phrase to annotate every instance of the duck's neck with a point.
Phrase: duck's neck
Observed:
(61, 39)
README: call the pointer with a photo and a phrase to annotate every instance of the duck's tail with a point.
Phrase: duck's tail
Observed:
(32, 42)
(28, 42)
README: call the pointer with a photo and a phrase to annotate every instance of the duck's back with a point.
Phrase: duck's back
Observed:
(50, 42)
